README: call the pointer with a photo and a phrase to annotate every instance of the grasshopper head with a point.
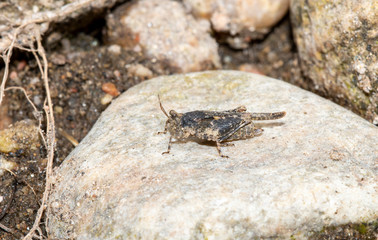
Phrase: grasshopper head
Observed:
(173, 114)
(174, 124)
(173, 121)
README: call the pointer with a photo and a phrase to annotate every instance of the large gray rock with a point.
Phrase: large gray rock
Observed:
(313, 168)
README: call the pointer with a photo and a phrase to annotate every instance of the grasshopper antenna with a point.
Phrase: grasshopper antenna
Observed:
(162, 108)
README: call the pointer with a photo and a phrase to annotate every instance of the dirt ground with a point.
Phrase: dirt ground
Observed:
(79, 66)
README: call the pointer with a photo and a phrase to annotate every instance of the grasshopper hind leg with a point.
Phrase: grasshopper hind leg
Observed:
(267, 116)
(227, 144)
(257, 132)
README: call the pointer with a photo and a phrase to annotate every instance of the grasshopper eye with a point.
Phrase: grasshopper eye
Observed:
(173, 113)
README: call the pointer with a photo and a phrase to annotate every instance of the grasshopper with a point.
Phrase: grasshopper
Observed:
(214, 126)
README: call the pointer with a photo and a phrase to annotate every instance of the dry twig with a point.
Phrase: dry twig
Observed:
(7, 229)
(68, 136)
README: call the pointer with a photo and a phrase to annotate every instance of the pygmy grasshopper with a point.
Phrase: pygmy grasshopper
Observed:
(215, 126)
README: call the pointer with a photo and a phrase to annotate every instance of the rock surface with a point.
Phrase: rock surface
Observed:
(315, 167)
(163, 30)
(242, 20)
(337, 44)
(43, 13)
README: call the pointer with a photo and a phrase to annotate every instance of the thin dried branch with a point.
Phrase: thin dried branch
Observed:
(7, 229)
(68, 136)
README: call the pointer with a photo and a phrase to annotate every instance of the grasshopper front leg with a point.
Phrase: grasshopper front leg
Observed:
(169, 146)
(170, 138)
(165, 129)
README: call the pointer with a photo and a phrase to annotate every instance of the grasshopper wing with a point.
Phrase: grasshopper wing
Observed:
(214, 126)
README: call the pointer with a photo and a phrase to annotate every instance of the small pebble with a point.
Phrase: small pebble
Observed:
(110, 89)
(53, 38)
(35, 8)
(58, 109)
(58, 59)
(250, 68)
(115, 49)
(106, 99)
(4, 164)
(34, 81)
(141, 71)
(117, 74)
(37, 100)
(21, 65)
(13, 75)
(66, 45)
(375, 121)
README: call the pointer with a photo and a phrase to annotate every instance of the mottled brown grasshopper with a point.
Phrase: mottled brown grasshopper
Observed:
(215, 126)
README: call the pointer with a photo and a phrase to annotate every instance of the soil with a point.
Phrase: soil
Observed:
(79, 65)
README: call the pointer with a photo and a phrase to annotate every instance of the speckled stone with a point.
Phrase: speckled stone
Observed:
(315, 167)
(164, 31)
(337, 45)
(243, 21)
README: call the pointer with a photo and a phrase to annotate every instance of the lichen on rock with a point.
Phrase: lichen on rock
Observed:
(337, 44)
